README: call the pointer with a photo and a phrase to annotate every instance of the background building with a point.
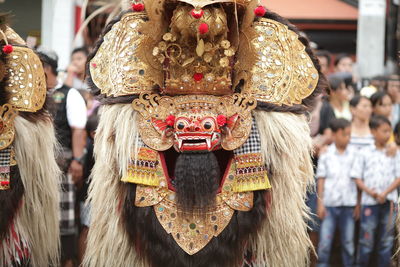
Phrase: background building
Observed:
(332, 24)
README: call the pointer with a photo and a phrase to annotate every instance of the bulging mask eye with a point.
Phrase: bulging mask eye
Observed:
(181, 124)
(208, 124)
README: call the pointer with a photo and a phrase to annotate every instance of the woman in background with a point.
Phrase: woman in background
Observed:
(336, 106)
(381, 104)
(361, 110)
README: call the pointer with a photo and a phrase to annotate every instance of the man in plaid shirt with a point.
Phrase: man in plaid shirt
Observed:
(69, 111)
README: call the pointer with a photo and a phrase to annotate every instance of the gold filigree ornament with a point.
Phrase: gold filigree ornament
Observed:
(7, 132)
(26, 82)
(190, 231)
(117, 69)
(194, 62)
(280, 70)
(154, 110)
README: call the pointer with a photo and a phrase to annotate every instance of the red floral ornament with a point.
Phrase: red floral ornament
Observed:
(260, 11)
(8, 49)
(203, 28)
(198, 77)
(197, 13)
(138, 7)
(221, 120)
(170, 120)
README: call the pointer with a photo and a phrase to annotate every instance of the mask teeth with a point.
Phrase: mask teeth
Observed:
(180, 142)
(208, 141)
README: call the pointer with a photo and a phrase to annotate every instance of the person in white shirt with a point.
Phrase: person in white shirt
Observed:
(337, 202)
(361, 109)
(377, 175)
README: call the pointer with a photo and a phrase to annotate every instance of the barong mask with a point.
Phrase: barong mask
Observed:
(194, 122)
(201, 77)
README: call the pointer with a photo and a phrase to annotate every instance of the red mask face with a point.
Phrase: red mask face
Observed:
(196, 134)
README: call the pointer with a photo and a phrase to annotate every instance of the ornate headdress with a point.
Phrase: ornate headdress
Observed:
(197, 75)
(194, 56)
(22, 75)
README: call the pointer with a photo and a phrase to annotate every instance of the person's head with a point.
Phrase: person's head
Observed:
(341, 132)
(393, 88)
(92, 124)
(338, 88)
(381, 129)
(324, 58)
(379, 82)
(361, 108)
(397, 133)
(49, 60)
(381, 104)
(78, 59)
(348, 81)
(343, 63)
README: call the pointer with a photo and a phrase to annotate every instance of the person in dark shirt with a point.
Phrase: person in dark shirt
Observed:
(69, 115)
(336, 105)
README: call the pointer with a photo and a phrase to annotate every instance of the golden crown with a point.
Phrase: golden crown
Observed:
(199, 52)
(197, 59)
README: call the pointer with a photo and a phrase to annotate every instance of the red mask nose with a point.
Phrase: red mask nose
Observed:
(193, 127)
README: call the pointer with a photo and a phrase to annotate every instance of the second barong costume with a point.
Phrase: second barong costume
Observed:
(28, 170)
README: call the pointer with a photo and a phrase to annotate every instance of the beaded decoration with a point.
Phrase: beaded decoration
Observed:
(5, 163)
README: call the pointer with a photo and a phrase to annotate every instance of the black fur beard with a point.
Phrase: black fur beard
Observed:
(10, 201)
(197, 179)
(152, 243)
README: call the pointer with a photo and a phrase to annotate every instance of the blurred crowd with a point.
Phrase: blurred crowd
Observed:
(356, 137)
(75, 114)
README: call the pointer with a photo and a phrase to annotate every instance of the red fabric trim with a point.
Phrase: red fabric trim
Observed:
(78, 12)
